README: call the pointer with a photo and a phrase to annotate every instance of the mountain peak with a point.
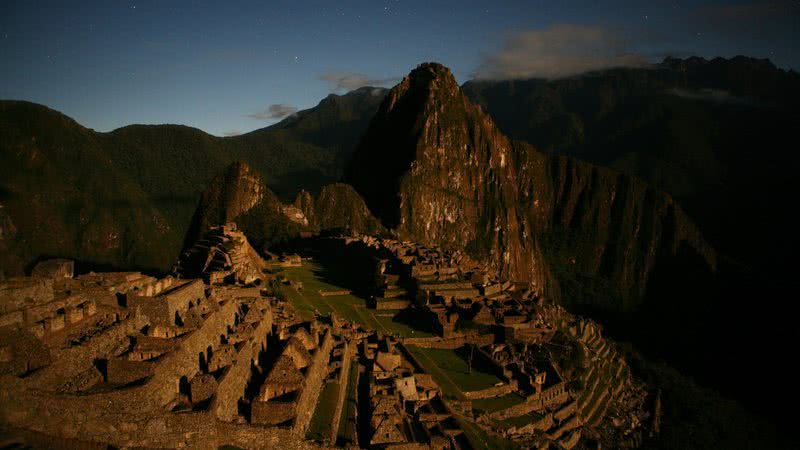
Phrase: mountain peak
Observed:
(431, 71)
(435, 168)
(427, 80)
(230, 194)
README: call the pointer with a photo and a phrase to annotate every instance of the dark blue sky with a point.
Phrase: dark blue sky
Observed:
(234, 68)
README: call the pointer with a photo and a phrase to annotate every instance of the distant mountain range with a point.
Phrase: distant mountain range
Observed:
(126, 198)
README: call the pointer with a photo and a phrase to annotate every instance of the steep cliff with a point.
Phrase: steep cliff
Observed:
(434, 166)
(685, 126)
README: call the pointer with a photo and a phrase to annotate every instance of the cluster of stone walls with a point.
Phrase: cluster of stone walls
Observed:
(23, 292)
(156, 287)
(69, 363)
(315, 375)
(58, 314)
(18, 295)
(184, 361)
(232, 386)
(553, 395)
(164, 308)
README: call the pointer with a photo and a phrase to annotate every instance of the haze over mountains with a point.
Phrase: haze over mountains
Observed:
(698, 196)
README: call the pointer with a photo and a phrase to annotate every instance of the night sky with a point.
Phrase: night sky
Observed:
(228, 69)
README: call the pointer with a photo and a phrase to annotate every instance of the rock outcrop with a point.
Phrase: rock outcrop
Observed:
(240, 195)
(434, 166)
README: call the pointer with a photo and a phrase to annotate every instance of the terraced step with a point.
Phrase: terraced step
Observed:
(588, 375)
(590, 342)
(588, 393)
(620, 369)
(596, 405)
(566, 427)
(599, 411)
(606, 350)
(567, 410)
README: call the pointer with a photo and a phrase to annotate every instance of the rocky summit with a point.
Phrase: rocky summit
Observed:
(434, 166)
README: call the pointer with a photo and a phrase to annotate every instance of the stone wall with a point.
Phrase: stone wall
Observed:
(494, 391)
(71, 362)
(184, 361)
(24, 292)
(313, 385)
(178, 299)
(394, 303)
(231, 387)
(453, 342)
(334, 293)
(553, 395)
(117, 419)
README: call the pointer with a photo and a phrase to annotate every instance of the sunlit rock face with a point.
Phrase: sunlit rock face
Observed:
(231, 193)
(434, 166)
(338, 206)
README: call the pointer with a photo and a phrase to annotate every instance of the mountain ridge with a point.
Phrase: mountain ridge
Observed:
(166, 168)
(438, 151)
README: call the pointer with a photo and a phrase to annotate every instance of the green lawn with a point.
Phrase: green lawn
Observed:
(391, 326)
(320, 427)
(349, 307)
(481, 440)
(452, 372)
(347, 424)
(497, 403)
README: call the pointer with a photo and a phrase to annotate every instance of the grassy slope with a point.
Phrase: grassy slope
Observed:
(320, 427)
(451, 371)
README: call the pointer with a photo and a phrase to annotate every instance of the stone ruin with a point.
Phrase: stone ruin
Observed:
(222, 254)
(131, 360)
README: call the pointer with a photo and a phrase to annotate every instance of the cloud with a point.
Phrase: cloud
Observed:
(274, 112)
(231, 133)
(557, 52)
(348, 81)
